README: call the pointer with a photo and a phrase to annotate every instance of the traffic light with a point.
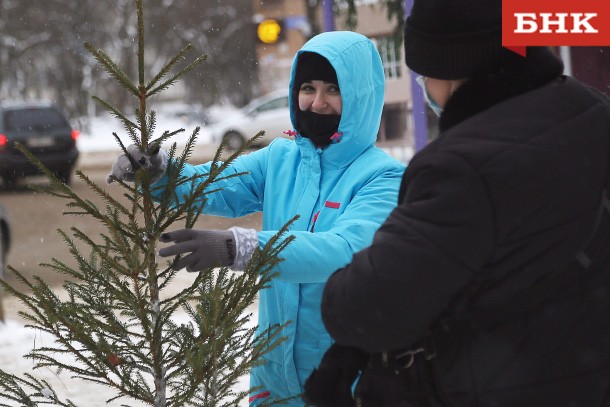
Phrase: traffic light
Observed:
(270, 31)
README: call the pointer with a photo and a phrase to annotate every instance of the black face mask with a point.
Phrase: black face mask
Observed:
(317, 127)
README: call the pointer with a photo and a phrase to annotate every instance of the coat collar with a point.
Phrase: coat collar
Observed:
(517, 75)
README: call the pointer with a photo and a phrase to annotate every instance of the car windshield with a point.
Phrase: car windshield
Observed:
(39, 118)
(270, 105)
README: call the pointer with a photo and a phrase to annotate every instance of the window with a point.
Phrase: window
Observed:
(39, 118)
(273, 104)
(276, 104)
(390, 56)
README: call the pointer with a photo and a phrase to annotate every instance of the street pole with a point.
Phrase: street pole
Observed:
(328, 16)
(418, 105)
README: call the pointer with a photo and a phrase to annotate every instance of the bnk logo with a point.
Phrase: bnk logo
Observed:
(579, 23)
(555, 23)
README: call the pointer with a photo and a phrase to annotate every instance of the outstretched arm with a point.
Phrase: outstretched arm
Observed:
(238, 190)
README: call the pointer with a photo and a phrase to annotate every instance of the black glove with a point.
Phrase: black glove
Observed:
(330, 385)
(207, 248)
(122, 169)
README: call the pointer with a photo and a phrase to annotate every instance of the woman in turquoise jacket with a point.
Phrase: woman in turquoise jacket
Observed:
(332, 175)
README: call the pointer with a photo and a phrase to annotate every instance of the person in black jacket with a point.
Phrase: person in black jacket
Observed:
(489, 284)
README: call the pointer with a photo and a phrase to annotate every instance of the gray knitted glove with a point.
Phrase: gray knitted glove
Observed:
(122, 169)
(210, 248)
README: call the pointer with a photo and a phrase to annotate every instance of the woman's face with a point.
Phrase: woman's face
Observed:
(320, 97)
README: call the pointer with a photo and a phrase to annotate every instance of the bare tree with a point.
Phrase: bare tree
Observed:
(42, 56)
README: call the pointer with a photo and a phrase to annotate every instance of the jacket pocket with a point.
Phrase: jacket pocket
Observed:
(274, 355)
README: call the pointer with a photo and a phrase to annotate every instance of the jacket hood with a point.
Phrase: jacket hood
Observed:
(361, 80)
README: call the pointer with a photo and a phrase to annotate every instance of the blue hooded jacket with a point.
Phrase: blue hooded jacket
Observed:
(342, 194)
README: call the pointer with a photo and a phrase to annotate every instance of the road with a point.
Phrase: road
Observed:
(36, 216)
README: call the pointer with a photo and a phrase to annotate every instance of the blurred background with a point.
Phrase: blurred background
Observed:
(249, 44)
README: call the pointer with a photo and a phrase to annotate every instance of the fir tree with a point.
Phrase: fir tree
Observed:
(116, 325)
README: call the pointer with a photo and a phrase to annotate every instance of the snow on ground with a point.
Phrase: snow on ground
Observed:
(98, 137)
(16, 341)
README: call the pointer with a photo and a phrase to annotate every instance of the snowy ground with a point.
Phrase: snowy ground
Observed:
(17, 341)
(99, 137)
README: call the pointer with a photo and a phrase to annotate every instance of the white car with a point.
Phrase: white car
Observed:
(269, 113)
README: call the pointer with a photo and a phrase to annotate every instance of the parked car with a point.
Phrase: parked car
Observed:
(44, 130)
(192, 116)
(269, 113)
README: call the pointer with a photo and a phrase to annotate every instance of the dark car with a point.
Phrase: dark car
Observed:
(45, 132)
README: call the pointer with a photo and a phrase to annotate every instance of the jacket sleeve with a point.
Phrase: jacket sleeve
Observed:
(429, 248)
(231, 197)
(313, 257)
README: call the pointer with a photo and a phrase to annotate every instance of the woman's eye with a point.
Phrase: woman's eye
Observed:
(334, 89)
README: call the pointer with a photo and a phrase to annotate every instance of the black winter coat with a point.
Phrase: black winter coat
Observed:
(501, 202)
